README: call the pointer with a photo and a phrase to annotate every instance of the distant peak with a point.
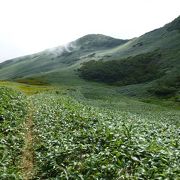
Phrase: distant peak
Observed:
(98, 41)
(97, 36)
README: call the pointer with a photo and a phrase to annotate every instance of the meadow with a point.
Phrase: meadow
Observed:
(85, 133)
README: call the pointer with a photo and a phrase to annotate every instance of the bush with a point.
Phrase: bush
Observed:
(165, 91)
(132, 70)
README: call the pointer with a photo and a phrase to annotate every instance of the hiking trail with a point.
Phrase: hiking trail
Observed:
(27, 162)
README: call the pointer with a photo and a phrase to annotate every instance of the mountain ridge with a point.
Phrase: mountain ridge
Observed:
(57, 64)
(61, 55)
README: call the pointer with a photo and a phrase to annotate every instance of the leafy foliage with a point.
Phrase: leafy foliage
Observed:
(138, 69)
(76, 141)
(79, 141)
(12, 114)
(166, 87)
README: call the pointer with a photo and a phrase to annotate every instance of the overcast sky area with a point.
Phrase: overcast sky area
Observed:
(29, 26)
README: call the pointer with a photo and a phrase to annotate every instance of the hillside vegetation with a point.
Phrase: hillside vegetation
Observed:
(82, 142)
(57, 58)
(142, 68)
(12, 115)
(97, 108)
(81, 137)
(132, 70)
(152, 60)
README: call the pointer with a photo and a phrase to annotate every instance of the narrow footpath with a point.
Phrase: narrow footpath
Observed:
(27, 162)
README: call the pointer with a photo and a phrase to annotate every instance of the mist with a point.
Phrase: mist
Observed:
(31, 26)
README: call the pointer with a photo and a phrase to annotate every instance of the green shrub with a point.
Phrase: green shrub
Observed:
(12, 114)
(132, 70)
(165, 91)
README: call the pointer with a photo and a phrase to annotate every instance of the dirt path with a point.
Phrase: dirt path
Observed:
(27, 161)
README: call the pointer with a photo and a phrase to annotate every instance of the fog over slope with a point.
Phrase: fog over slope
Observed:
(55, 62)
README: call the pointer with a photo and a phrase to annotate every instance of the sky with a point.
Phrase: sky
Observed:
(30, 26)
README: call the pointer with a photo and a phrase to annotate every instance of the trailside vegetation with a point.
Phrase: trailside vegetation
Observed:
(12, 114)
(77, 141)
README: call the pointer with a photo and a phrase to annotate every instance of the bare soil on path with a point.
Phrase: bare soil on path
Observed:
(27, 162)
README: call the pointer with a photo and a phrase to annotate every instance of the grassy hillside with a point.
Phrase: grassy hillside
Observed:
(137, 69)
(86, 134)
(63, 113)
(91, 143)
(94, 47)
(144, 76)
(154, 71)
(143, 68)
(57, 58)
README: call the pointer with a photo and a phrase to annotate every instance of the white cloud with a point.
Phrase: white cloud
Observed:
(28, 26)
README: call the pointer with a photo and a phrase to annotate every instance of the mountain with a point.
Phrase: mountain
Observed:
(98, 41)
(60, 64)
(58, 57)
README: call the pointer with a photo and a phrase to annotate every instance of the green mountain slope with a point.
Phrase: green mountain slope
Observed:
(60, 64)
(57, 58)
(151, 62)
